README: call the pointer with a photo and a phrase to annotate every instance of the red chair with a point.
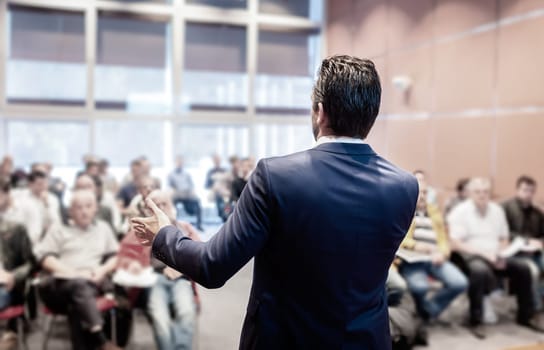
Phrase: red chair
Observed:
(105, 303)
(16, 312)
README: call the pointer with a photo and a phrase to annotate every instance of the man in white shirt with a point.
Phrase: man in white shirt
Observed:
(78, 259)
(40, 208)
(479, 233)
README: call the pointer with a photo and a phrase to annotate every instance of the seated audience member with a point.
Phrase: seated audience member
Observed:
(129, 189)
(145, 186)
(526, 221)
(461, 195)
(16, 259)
(78, 259)
(9, 211)
(173, 330)
(56, 185)
(396, 285)
(41, 209)
(182, 184)
(479, 233)
(431, 192)
(86, 182)
(214, 176)
(407, 329)
(146, 171)
(427, 235)
(6, 167)
(239, 183)
(109, 181)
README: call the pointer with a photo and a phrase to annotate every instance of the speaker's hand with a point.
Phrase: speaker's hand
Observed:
(146, 228)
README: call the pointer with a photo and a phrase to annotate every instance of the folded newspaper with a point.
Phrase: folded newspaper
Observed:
(411, 256)
(517, 245)
(146, 278)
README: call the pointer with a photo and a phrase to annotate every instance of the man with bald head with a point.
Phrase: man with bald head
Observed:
(78, 259)
(479, 234)
(94, 184)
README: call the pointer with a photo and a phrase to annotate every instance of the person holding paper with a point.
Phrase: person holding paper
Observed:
(323, 225)
(427, 235)
(479, 233)
(526, 223)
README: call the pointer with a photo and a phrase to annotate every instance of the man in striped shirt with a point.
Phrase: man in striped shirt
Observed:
(427, 235)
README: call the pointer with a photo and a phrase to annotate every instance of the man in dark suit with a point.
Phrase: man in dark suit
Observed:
(323, 226)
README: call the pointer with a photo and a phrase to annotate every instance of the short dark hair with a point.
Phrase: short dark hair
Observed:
(35, 175)
(350, 91)
(461, 184)
(91, 163)
(5, 184)
(524, 179)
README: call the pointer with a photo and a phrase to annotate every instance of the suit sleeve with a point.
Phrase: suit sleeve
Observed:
(244, 234)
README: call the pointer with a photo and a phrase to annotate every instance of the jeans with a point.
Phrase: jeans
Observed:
(172, 310)
(5, 298)
(417, 277)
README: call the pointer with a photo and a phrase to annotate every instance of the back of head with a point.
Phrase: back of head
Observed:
(350, 91)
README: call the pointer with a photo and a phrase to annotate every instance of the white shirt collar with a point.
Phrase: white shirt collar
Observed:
(339, 139)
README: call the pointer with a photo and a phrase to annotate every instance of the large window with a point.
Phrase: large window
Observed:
(229, 4)
(198, 143)
(281, 139)
(46, 57)
(63, 143)
(133, 64)
(121, 79)
(121, 141)
(286, 66)
(215, 68)
(312, 9)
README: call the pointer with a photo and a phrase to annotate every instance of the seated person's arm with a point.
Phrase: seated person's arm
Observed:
(52, 264)
(105, 269)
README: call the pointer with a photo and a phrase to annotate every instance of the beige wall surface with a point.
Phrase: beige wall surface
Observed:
(476, 101)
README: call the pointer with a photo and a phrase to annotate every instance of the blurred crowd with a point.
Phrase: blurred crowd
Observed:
(476, 245)
(69, 249)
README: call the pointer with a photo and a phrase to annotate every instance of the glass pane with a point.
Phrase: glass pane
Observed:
(198, 143)
(215, 68)
(62, 143)
(278, 139)
(121, 141)
(2, 138)
(230, 4)
(312, 9)
(46, 56)
(133, 65)
(286, 65)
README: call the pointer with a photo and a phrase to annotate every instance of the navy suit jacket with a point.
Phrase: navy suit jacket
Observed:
(323, 226)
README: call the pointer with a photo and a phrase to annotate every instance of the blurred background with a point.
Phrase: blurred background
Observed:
(122, 80)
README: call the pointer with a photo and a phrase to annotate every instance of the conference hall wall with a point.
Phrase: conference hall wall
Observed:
(463, 84)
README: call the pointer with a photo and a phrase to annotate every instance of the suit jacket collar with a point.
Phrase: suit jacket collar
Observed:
(345, 148)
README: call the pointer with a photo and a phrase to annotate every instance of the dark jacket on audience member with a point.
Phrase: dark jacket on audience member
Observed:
(16, 255)
(525, 222)
(323, 226)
